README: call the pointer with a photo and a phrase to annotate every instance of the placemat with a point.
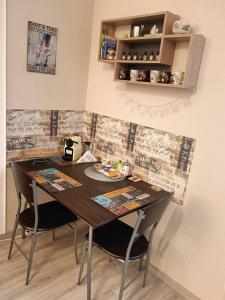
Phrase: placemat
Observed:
(122, 200)
(53, 180)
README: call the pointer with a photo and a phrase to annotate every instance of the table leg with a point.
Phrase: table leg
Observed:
(89, 263)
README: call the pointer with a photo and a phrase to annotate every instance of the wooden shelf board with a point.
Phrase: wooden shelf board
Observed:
(110, 61)
(142, 39)
(154, 84)
(136, 19)
(147, 62)
(127, 62)
(178, 37)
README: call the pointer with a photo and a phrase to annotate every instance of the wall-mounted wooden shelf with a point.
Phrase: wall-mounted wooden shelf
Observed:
(177, 52)
(142, 39)
(109, 61)
(146, 62)
(153, 84)
(178, 37)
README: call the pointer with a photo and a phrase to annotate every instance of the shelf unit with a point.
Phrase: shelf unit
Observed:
(152, 84)
(177, 52)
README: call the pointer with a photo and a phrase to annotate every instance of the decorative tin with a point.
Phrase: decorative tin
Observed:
(178, 77)
(124, 74)
(165, 77)
(143, 75)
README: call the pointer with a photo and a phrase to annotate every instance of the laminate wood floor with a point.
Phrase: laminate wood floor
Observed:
(54, 273)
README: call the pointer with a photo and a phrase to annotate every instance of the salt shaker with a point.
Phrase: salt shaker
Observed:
(124, 56)
(151, 57)
(145, 56)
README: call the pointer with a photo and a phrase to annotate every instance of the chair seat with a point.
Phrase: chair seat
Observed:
(50, 215)
(113, 238)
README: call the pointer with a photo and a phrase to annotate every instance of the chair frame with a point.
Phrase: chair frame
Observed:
(34, 230)
(135, 235)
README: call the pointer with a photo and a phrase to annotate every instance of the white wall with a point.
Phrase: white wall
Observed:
(67, 89)
(190, 243)
(2, 115)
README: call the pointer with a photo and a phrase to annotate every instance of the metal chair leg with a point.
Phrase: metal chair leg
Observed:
(23, 234)
(146, 268)
(23, 230)
(141, 264)
(89, 262)
(123, 279)
(13, 236)
(148, 254)
(75, 243)
(31, 256)
(85, 248)
(53, 235)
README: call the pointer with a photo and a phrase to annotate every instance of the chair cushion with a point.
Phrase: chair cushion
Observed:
(113, 238)
(50, 215)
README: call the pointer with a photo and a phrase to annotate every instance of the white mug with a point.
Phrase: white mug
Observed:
(133, 75)
(136, 31)
(178, 77)
(154, 76)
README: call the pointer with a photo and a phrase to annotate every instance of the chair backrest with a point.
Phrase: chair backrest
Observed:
(24, 184)
(148, 217)
(152, 214)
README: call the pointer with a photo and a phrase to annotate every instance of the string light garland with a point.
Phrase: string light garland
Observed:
(153, 110)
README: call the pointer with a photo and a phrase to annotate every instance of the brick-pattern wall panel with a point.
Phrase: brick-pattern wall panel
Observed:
(27, 122)
(112, 130)
(26, 131)
(39, 133)
(109, 136)
(90, 125)
(158, 157)
(71, 122)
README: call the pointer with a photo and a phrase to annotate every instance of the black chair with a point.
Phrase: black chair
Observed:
(37, 217)
(126, 243)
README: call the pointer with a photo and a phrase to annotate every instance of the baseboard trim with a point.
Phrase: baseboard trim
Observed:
(8, 234)
(176, 286)
(4, 236)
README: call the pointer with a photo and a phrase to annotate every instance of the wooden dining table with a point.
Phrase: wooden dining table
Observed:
(78, 199)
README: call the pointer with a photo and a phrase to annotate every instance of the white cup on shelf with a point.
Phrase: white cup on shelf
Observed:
(178, 77)
(136, 31)
(133, 75)
(154, 76)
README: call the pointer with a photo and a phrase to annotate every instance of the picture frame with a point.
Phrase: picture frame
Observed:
(41, 48)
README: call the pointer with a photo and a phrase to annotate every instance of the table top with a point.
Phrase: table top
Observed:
(77, 199)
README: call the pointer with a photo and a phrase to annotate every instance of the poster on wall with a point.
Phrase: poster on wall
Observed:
(41, 48)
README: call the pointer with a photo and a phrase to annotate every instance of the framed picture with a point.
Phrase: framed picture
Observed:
(41, 48)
